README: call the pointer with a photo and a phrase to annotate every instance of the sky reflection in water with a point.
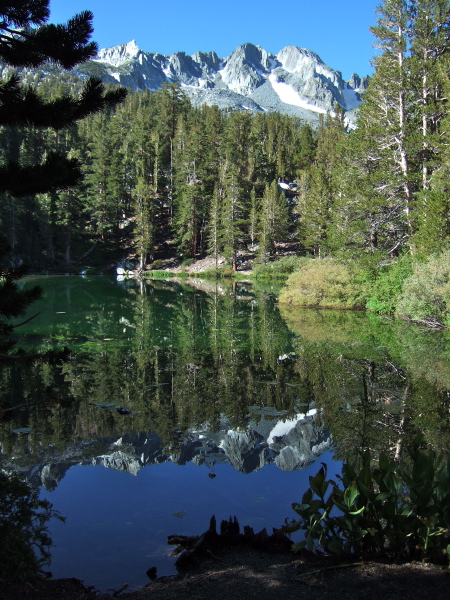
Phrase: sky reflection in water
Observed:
(136, 514)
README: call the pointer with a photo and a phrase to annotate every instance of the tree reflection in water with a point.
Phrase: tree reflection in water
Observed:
(163, 371)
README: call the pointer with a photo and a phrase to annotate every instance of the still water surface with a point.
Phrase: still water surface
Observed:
(182, 401)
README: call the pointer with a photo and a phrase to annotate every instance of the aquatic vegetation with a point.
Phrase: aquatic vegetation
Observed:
(381, 510)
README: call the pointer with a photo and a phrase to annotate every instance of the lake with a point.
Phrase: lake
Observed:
(181, 400)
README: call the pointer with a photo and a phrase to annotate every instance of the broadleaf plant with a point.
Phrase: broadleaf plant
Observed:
(380, 510)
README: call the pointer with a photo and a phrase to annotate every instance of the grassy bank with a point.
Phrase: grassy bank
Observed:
(405, 287)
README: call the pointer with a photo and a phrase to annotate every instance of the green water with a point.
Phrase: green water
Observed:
(241, 395)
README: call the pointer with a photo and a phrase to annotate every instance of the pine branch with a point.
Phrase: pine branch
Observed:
(26, 321)
(67, 45)
(56, 172)
(22, 106)
(22, 13)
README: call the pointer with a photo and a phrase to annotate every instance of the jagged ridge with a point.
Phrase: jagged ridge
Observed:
(290, 444)
(295, 81)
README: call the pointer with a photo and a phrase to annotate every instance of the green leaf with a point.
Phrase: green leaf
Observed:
(300, 509)
(384, 462)
(370, 494)
(381, 497)
(342, 507)
(350, 494)
(317, 482)
(310, 544)
(357, 512)
(307, 496)
(298, 546)
(335, 546)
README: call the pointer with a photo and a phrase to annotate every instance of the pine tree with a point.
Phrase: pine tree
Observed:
(429, 75)
(433, 222)
(213, 232)
(232, 219)
(273, 221)
(139, 154)
(429, 49)
(190, 200)
(390, 98)
(234, 178)
(27, 40)
(319, 186)
(102, 178)
(399, 134)
(144, 217)
(308, 144)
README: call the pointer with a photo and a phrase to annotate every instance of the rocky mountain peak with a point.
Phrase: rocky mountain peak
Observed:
(245, 69)
(252, 56)
(210, 59)
(118, 55)
(294, 59)
(357, 83)
(295, 81)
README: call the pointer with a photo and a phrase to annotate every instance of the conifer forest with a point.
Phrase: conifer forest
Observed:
(162, 178)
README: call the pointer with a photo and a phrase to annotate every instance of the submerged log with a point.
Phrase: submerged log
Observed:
(192, 549)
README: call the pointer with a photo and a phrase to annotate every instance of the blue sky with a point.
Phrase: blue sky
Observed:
(337, 31)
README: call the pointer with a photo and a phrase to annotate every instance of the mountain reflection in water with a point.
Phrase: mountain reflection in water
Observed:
(242, 395)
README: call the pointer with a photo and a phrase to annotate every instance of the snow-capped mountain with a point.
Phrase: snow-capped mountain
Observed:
(295, 81)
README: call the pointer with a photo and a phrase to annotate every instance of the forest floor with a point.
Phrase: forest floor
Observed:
(243, 573)
(200, 265)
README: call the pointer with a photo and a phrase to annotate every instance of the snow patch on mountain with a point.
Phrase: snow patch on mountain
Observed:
(282, 428)
(288, 95)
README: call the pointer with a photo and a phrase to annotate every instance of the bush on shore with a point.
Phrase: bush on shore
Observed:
(425, 293)
(413, 290)
(388, 283)
(279, 269)
(324, 283)
(383, 509)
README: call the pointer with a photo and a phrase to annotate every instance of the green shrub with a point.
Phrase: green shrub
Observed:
(24, 539)
(387, 287)
(323, 283)
(426, 292)
(220, 273)
(187, 261)
(157, 265)
(279, 269)
(381, 511)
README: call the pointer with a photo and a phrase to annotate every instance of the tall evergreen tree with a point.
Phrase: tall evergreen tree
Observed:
(213, 232)
(27, 40)
(429, 76)
(273, 221)
(392, 98)
(319, 185)
(400, 123)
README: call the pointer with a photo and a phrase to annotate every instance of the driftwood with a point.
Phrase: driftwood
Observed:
(191, 549)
